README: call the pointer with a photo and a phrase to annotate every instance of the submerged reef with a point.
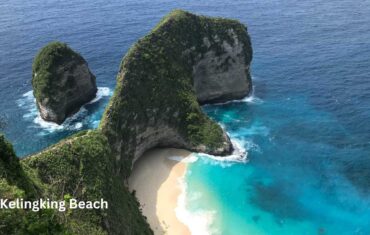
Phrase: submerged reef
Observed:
(184, 61)
(62, 82)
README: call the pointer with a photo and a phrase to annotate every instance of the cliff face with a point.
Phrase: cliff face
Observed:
(62, 82)
(186, 59)
(220, 77)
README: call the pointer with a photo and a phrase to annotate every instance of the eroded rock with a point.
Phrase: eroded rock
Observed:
(62, 82)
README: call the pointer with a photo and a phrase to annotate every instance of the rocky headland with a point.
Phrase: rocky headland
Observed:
(62, 82)
(185, 61)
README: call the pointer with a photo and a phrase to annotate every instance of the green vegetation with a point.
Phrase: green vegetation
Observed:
(12, 175)
(14, 183)
(84, 169)
(80, 167)
(45, 67)
(154, 88)
(23, 222)
(155, 83)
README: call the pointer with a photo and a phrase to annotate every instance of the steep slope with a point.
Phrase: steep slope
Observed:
(186, 59)
(14, 184)
(82, 167)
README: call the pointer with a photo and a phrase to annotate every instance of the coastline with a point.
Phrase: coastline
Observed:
(156, 180)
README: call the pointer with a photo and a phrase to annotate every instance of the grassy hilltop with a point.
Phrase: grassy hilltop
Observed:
(45, 65)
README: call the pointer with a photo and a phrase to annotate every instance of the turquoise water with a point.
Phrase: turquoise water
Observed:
(306, 131)
(292, 183)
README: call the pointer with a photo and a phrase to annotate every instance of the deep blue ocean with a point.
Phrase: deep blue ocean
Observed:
(306, 128)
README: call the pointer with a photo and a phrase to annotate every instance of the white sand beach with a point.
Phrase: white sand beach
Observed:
(156, 180)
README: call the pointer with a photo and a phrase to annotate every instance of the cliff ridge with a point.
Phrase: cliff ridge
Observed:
(184, 61)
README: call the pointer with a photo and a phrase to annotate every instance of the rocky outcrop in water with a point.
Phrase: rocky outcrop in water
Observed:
(62, 82)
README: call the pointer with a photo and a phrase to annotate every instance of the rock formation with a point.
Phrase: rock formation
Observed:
(226, 76)
(62, 82)
(186, 59)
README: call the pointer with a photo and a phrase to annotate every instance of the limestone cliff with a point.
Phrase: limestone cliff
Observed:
(186, 59)
(62, 82)
(224, 76)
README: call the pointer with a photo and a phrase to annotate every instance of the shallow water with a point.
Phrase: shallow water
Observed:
(307, 129)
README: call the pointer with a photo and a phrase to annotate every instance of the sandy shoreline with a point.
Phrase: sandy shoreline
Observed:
(155, 178)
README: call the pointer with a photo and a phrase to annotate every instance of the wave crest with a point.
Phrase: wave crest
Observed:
(239, 155)
(198, 222)
(250, 99)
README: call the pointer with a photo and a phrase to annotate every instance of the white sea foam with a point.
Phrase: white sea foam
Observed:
(69, 124)
(251, 99)
(250, 145)
(188, 159)
(27, 101)
(50, 126)
(28, 94)
(102, 92)
(78, 125)
(198, 222)
(75, 122)
(239, 155)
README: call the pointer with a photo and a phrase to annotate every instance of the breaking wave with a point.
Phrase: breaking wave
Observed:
(239, 155)
(250, 99)
(84, 118)
(198, 222)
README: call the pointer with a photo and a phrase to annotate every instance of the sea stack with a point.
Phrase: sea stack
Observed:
(62, 82)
